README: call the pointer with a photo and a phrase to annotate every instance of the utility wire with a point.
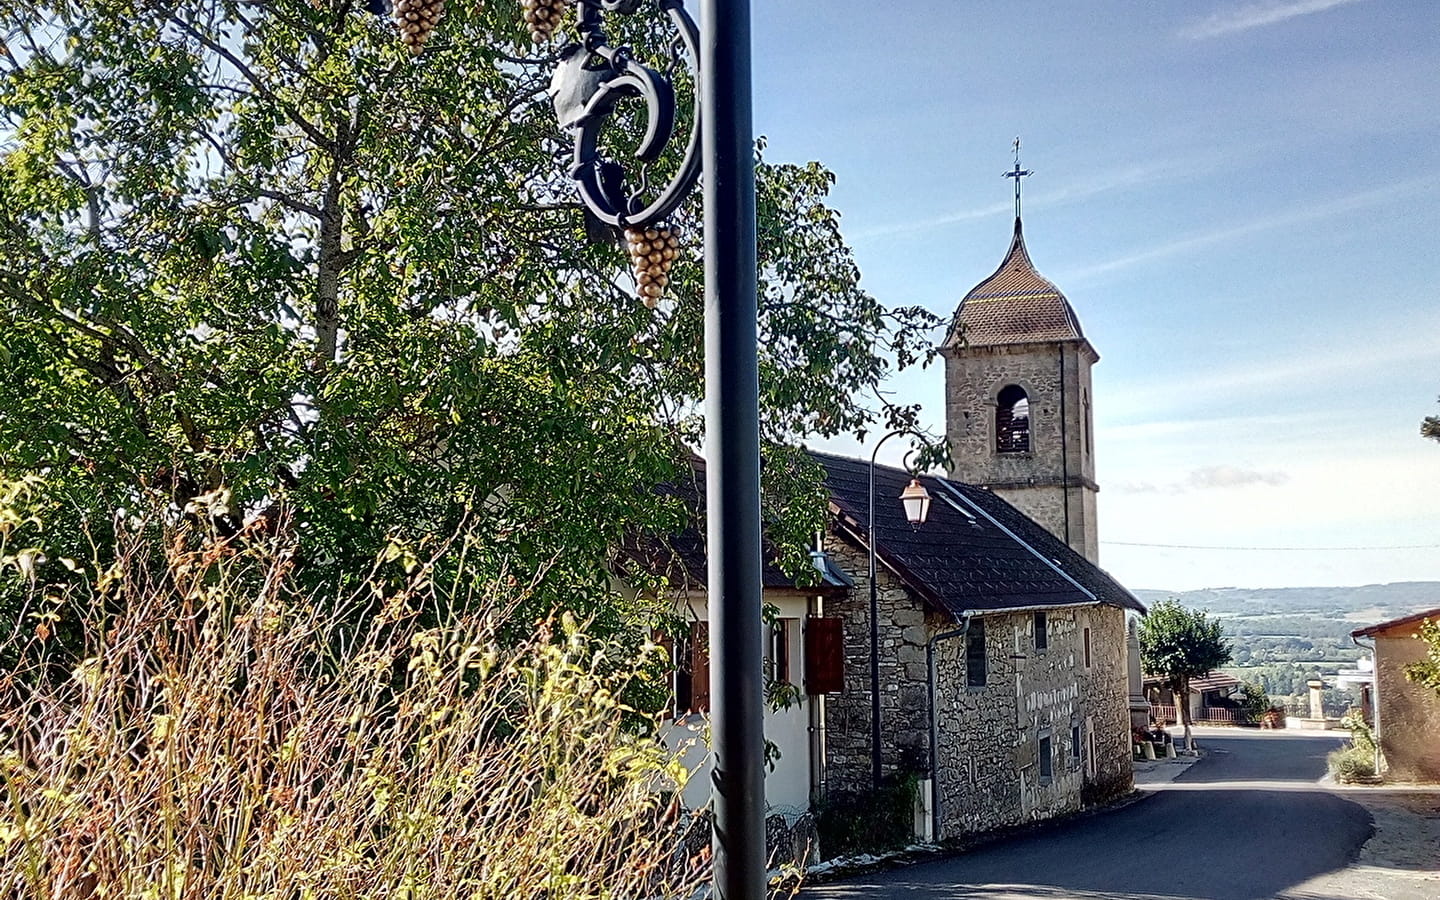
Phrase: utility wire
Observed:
(1270, 549)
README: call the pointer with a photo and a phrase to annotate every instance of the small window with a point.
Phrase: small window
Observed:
(780, 650)
(1090, 746)
(1047, 765)
(1075, 746)
(692, 671)
(1042, 634)
(1087, 647)
(975, 654)
(1012, 421)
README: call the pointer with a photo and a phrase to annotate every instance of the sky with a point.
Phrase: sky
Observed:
(1241, 200)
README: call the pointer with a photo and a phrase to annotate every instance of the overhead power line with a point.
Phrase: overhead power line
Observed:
(1271, 549)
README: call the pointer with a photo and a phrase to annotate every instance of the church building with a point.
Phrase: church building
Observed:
(1000, 658)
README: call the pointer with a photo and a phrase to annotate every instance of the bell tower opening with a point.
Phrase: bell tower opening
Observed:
(1012, 420)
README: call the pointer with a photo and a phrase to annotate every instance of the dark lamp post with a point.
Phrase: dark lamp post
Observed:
(592, 78)
(916, 501)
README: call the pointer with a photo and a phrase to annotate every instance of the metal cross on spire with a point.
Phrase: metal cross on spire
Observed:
(1017, 173)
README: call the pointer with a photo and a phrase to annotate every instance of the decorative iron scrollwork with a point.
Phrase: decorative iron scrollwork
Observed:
(591, 78)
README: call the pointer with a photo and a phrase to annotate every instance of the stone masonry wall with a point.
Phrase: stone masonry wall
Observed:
(989, 773)
(1409, 712)
(904, 705)
(1034, 481)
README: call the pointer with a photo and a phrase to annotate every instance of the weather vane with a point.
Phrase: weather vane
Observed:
(1017, 173)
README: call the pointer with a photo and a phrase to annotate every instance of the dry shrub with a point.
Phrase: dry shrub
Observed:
(219, 736)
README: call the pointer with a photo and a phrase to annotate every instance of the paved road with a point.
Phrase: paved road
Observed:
(1248, 821)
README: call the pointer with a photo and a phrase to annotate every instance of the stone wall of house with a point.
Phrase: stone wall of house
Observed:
(1035, 482)
(989, 774)
(1409, 712)
(904, 705)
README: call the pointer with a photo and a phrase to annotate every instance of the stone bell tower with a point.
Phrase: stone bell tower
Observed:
(1018, 397)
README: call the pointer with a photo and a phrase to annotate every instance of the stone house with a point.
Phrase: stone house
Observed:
(1406, 715)
(1003, 656)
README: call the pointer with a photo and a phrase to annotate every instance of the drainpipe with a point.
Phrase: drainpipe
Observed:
(1374, 692)
(936, 812)
(818, 772)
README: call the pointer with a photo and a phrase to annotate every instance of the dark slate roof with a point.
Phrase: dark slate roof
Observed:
(1015, 305)
(975, 553)
(682, 557)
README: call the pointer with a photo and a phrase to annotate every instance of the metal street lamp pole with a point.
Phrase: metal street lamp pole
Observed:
(916, 519)
(591, 78)
(732, 424)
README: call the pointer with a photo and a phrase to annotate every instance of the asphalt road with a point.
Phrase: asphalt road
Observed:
(1246, 822)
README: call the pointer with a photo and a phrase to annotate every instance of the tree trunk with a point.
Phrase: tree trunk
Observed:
(1182, 706)
(327, 288)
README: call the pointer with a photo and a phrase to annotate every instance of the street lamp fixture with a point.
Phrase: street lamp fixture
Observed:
(916, 501)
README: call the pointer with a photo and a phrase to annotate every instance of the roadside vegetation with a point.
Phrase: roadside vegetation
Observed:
(213, 729)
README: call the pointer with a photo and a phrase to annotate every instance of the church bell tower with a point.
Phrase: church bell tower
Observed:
(1018, 396)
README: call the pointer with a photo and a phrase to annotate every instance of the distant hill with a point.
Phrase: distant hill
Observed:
(1364, 605)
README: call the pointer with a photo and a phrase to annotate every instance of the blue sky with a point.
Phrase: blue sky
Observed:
(1241, 199)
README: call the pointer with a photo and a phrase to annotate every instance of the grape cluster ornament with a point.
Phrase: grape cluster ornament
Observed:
(542, 17)
(652, 253)
(416, 20)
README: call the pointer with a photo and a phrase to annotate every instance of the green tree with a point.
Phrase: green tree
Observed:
(1427, 670)
(1178, 644)
(256, 257)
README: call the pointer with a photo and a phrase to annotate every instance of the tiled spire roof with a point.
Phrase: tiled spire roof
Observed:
(1016, 305)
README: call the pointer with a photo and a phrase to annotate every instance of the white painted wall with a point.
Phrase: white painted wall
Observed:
(787, 786)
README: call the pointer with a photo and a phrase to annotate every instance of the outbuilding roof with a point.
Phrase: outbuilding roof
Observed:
(1015, 305)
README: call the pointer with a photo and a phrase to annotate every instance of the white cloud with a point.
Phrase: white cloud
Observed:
(1208, 477)
(1247, 16)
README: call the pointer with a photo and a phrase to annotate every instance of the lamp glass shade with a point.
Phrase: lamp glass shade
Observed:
(916, 501)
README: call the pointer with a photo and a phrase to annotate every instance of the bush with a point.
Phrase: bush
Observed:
(216, 734)
(1351, 763)
(868, 821)
(1357, 760)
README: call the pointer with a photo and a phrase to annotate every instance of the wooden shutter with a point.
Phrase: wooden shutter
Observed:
(824, 655)
(699, 667)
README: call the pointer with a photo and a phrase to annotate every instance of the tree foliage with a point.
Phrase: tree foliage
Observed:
(1427, 671)
(254, 256)
(1178, 643)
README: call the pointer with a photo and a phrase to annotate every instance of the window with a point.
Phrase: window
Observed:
(1047, 764)
(1042, 634)
(780, 650)
(1012, 420)
(1087, 647)
(1075, 746)
(690, 656)
(1085, 402)
(975, 654)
